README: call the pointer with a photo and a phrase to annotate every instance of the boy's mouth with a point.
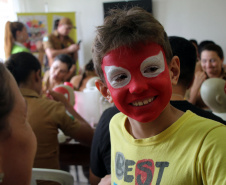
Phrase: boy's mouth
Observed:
(143, 102)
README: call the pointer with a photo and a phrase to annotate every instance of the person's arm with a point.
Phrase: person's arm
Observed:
(75, 81)
(52, 53)
(72, 70)
(85, 133)
(94, 180)
(41, 51)
(200, 77)
(198, 66)
(100, 156)
(70, 73)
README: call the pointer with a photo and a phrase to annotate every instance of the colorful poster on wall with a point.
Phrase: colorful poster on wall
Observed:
(40, 24)
(37, 28)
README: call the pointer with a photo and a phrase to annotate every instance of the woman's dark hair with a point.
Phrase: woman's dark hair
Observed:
(7, 100)
(202, 44)
(16, 26)
(21, 65)
(65, 59)
(214, 47)
(88, 67)
(56, 23)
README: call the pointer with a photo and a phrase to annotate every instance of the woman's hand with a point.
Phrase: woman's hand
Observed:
(200, 77)
(58, 97)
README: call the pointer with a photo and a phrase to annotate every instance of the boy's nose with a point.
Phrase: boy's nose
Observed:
(138, 87)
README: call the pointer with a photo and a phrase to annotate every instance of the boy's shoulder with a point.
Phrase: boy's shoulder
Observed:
(201, 121)
(118, 117)
(117, 122)
(197, 127)
(190, 119)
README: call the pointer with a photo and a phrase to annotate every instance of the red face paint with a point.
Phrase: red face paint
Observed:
(138, 80)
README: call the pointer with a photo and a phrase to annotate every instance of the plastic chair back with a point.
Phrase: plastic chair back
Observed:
(62, 177)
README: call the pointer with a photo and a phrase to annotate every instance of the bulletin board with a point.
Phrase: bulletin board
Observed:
(40, 24)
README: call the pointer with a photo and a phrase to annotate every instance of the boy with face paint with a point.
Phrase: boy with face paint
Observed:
(151, 141)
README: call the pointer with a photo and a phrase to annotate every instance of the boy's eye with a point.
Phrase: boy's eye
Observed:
(120, 78)
(117, 76)
(153, 66)
(151, 69)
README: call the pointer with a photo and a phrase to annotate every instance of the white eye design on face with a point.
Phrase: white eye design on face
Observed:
(117, 76)
(153, 66)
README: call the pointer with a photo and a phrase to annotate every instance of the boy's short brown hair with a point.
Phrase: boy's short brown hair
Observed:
(126, 28)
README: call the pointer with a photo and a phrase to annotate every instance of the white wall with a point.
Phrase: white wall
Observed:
(198, 19)
(6, 14)
(89, 14)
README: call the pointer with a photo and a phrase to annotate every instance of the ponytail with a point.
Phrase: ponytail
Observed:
(11, 29)
(8, 40)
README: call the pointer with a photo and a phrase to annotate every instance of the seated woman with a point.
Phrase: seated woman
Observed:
(212, 58)
(15, 36)
(44, 115)
(58, 72)
(79, 81)
(17, 140)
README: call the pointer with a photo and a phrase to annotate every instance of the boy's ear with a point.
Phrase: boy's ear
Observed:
(38, 76)
(104, 90)
(174, 68)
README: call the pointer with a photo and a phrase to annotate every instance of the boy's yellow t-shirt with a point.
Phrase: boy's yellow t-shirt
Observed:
(192, 151)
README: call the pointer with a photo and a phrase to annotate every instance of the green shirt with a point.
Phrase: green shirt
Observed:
(19, 48)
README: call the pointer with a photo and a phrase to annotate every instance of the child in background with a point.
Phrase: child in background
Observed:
(79, 81)
(151, 141)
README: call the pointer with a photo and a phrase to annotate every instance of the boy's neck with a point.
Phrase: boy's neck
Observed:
(145, 130)
(178, 92)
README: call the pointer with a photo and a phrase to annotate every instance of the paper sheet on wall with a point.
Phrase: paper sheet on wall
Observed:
(37, 27)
